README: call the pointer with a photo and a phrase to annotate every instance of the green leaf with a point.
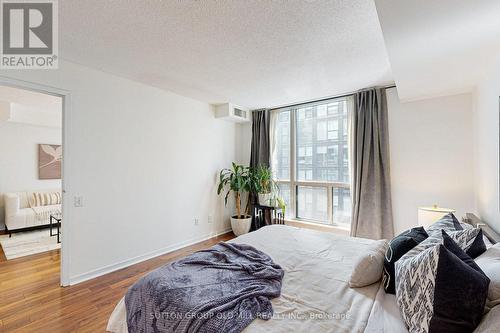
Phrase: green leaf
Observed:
(219, 189)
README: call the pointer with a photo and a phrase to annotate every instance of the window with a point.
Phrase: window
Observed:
(281, 160)
(311, 161)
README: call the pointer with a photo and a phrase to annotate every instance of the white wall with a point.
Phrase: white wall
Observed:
(145, 162)
(486, 122)
(19, 159)
(431, 144)
(243, 143)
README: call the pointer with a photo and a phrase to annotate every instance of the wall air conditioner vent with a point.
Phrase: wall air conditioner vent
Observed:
(240, 113)
(232, 112)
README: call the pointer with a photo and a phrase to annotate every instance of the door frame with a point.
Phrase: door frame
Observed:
(66, 225)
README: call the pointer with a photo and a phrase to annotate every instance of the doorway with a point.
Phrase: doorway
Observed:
(32, 195)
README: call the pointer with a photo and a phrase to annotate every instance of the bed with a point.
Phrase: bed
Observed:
(315, 295)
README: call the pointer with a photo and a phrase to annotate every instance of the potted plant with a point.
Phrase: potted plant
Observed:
(265, 186)
(267, 189)
(237, 180)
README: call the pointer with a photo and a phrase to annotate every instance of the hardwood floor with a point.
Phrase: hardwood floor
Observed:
(31, 299)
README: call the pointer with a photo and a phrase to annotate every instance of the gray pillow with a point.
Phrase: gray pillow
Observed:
(490, 322)
(489, 262)
(368, 267)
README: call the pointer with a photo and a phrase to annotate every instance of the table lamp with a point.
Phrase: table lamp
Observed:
(429, 215)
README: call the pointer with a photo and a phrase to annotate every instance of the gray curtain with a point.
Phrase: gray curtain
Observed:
(260, 139)
(371, 183)
(261, 150)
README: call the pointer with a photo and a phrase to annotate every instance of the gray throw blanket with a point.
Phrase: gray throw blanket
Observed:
(222, 289)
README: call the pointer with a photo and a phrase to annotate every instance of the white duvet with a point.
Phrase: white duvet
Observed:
(315, 295)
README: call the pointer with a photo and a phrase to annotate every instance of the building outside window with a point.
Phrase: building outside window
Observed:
(310, 160)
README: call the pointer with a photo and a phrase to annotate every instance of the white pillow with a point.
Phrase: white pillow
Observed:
(368, 267)
(489, 262)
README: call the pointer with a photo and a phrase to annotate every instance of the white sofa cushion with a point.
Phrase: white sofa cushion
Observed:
(24, 218)
(11, 201)
(24, 201)
(27, 217)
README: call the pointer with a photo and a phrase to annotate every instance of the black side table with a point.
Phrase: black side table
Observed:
(265, 215)
(56, 220)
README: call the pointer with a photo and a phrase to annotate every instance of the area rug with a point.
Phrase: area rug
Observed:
(28, 243)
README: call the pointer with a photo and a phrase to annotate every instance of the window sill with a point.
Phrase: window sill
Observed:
(316, 226)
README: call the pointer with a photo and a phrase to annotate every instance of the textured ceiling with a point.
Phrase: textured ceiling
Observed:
(439, 47)
(252, 53)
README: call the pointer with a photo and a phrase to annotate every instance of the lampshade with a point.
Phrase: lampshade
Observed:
(429, 215)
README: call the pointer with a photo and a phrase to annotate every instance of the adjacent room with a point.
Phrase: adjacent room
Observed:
(30, 169)
(250, 166)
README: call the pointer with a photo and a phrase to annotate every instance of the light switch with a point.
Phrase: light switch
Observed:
(78, 201)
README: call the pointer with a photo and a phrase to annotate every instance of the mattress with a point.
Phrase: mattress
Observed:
(315, 295)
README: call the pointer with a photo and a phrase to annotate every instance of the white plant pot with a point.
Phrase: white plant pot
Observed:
(241, 226)
(266, 199)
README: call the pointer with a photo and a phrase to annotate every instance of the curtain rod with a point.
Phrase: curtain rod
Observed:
(322, 99)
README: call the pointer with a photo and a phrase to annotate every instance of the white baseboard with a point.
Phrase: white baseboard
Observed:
(132, 261)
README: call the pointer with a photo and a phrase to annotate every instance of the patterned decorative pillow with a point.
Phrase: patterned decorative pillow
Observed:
(441, 289)
(469, 240)
(447, 223)
(486, 241)
(466, 225)
(398, 246)
(45, 199)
